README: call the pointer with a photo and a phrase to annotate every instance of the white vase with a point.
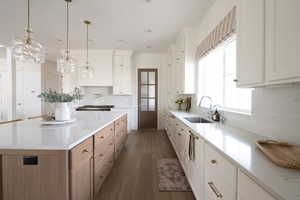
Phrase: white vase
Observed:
(62, 112)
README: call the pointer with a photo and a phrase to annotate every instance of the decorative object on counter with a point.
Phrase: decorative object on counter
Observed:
(66, 63)
(281, 153)
(171, 176)
(179, 102)
(216, 116)
(28, 48)
(87, 71)
(62, 102)
(188, 104)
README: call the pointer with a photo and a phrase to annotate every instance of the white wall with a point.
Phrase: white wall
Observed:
(275, 111)
(155, 61)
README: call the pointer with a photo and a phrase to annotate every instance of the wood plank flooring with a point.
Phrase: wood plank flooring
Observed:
(134, 175)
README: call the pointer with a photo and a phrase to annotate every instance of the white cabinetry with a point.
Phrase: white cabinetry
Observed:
(250, 43)
(122, 71)
(28, 87)
(282, 40)
(101, 61)
(220, 176)
(249, 190)
(184, 63)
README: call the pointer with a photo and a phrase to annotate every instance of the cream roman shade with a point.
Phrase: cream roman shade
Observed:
(223, 31)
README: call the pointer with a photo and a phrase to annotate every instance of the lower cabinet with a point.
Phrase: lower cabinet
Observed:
(82, 171)
(249, 190)
(211, 175)
(220, 176)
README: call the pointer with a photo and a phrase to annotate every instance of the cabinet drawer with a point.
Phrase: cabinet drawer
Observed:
(106, 132)
(82, 152)
(248, 189)
(101, 173)
(220, 175)
(103, 149)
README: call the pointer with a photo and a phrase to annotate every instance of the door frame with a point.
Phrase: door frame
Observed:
(139, 93)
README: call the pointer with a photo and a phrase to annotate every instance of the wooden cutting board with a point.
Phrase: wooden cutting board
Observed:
(281, 153)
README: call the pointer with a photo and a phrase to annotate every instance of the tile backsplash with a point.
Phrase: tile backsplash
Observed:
(275, 113)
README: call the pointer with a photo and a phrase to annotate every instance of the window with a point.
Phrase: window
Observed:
(216, 78)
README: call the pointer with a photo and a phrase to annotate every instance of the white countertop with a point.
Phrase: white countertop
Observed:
(239, 147)
(31, 135)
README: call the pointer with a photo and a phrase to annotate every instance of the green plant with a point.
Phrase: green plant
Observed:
(52, 96)
(179, 101)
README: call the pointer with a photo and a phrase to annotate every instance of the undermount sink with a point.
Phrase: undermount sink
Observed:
(197, 120)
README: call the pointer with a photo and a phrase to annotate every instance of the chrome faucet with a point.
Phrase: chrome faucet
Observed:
(209, 113)
(206, 97)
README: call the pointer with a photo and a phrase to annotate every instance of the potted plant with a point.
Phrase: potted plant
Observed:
(62, 102)
(179, 102)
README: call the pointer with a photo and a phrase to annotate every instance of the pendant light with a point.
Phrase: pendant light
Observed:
(87, 70)
(28, 48)
(66, 63)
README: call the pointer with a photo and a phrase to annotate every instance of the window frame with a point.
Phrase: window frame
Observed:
(222, 107)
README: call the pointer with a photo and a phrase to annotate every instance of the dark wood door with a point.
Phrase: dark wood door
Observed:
(147, 98)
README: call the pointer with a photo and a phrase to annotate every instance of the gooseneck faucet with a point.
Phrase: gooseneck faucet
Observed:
(209, 113)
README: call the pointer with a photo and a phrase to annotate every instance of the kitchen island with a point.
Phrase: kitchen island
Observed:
(60, 162)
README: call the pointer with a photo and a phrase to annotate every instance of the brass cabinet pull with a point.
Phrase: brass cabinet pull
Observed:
(111, 144)
(102, 137)
(85, 151)
(213, 161)
(100, 155)
(179, 134)
(215, 190)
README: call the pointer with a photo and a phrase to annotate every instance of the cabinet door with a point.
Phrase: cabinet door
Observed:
(249, 190)
(251, 43)
(82, 181)
(82, 171)
(122, 75)
(282, 40)
(196, 169)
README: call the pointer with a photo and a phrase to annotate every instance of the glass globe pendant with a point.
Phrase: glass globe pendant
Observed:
(87, 70)
(28, 48)
(65, 62)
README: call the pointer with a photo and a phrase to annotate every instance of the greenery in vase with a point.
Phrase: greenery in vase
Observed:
(179, 101)
(52, 96)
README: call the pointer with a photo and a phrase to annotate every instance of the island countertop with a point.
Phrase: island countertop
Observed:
(32, 135)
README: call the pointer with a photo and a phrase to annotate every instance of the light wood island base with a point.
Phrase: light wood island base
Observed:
(75, 174)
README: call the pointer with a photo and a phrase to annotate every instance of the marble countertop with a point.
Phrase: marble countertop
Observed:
(239, 147)
(31, 135)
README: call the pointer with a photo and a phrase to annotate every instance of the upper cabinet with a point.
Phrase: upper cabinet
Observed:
(267, 42)
(122, 70)
(250, 43)
(101, 61)
(184, 63)
(282, 40)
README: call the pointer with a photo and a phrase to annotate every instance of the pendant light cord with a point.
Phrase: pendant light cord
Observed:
(28, 17)
(68, 27)
(87, 43)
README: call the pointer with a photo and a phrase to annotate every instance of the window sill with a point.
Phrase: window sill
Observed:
(236, 111)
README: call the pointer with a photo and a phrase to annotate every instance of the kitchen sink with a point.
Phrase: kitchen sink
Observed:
(197, 120)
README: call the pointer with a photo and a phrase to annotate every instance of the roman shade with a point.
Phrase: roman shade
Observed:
(225, 29)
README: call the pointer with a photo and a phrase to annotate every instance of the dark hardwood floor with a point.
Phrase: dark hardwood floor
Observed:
(134, 175)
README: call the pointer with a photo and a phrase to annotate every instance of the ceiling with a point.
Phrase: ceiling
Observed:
(141, 25)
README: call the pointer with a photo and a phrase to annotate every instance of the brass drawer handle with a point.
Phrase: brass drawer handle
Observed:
(213, 162)
(85, 151)
(102, 137)
(111, 144)
(215, 190)
(100, 155)
(111, 129)
(179, 134)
